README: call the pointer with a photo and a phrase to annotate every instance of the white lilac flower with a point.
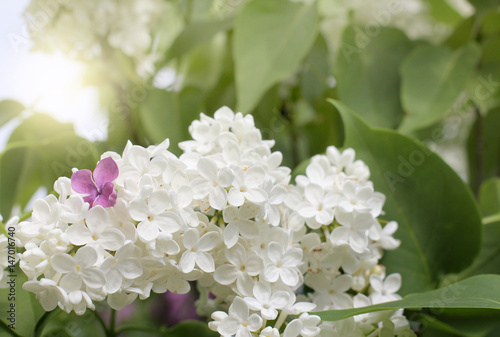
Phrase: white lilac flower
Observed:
(306, 325)
(79, 270)
(122, 266)
(213, 182)
(239, 223)
(385, 290)
(47, 292)
(153, 216)
(87, 29)
(197, 251)
(267, 301)
(96, 231)
(283, 264)
(222, 215)
(242, 265)
(239, 322)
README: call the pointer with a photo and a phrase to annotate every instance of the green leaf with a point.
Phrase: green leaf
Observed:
(488, 260)
(191, 328)
(39, 151)
(314, 77)
(462, 34)
(442, 11)
(463, 327)
(439, 223)
(9, 109)
(483, 148)
(202, 67)
(432, 79)
(489, 198)
(167, 114)
(368, 76)
(270, 39)
(196, 34)
(483, 5)
(478, 292)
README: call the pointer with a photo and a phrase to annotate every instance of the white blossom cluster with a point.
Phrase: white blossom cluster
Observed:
(413, 17)
(95, 27)
(264, 253)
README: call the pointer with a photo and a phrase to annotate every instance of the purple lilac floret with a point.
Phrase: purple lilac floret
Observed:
(98, 186)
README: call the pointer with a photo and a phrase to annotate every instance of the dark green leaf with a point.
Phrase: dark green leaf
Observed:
(368, 74)
(9, 109)
(489, 198)
(463, 327)
(484, 148)
(440, 230)
(191, 328)
(481, 292)
(270, 39)
(488, 260)
(432, 79)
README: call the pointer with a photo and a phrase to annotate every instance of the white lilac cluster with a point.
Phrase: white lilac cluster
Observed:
(264, 253)
(91, 28)
(411, 16)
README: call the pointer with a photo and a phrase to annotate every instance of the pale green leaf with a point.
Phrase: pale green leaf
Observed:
(270, 39)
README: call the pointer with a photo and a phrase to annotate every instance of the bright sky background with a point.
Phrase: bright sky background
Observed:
(47, 83)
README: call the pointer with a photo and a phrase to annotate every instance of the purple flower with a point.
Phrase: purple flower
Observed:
(97, 186)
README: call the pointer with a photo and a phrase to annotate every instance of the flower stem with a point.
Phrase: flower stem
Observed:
(281, 320)
(112, 320)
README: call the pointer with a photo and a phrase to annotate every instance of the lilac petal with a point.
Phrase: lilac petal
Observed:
(108, 195)
(105, 171)
(81, 182)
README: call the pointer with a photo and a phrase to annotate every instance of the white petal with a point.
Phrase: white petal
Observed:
(254, 177)
(187, 262)
(207, 169)
(226, 274)
(225, 177)
(191, 238)
(147, 231)
(256, 195)
(138, 210)
(271, 273)
(392, 283)
(230, 235)
(111, 239)
(93, 277)
(63, 263)
(159, 201)
(86, 256)
(168, 222)
(71, 282)
(289, 276)
(293, 328)
(97, 219)
(314, 193)
(205, 262)
(113, 281)
(235, 197)
(208, 241)
(218, 198)
(274, 252)
(79, 234)
(130, 268)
